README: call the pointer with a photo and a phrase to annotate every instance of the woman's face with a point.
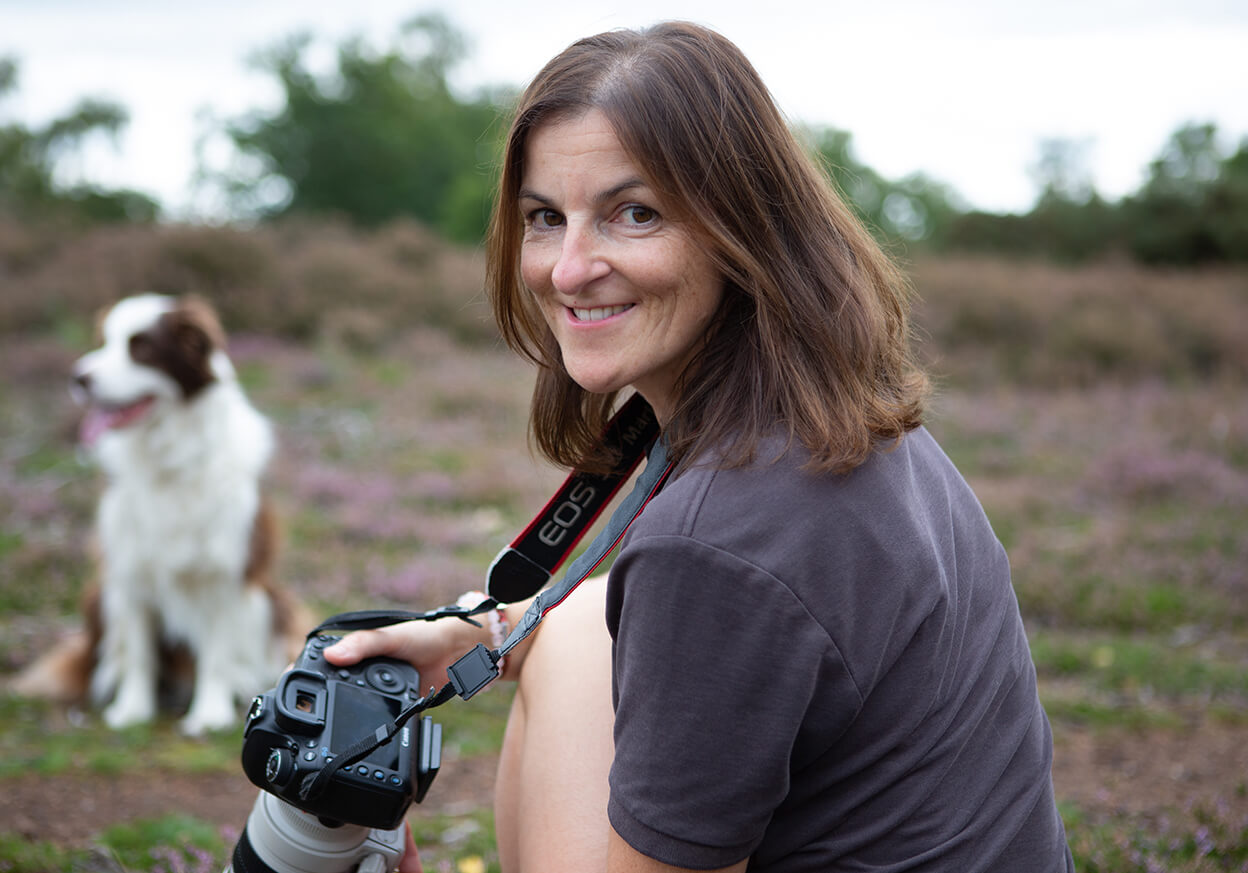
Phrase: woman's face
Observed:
(624, 287)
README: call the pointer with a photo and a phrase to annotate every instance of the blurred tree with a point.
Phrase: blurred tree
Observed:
(1061, 170)
(915, 208)
(1192, 209)
(384, 137)
(1194, 206)
(28, 159)
(1190, 158)
(1070, 220)
(1228, 203)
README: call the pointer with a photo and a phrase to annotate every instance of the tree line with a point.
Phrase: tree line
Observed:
(385, 137)
(1191, 209)
(28, 159)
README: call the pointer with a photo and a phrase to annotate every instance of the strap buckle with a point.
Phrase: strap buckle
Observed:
(473, 671)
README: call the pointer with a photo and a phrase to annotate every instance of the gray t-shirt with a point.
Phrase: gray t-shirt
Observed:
(826, 672)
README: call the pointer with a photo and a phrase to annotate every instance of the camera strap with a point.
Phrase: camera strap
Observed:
(648, 484)
(524, 567)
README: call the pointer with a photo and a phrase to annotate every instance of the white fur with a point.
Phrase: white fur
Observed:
(175, 523)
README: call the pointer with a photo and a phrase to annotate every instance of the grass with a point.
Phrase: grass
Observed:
(20, 855)
(1174, 668)
(169, 844)
(1115, 473)
(41, 738)
(465, 841)
(1219, 842)
(184, 844)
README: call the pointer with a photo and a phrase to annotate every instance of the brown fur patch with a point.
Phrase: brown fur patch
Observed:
(291, 619)
(181, 344)
(198, 311)
(63, 673)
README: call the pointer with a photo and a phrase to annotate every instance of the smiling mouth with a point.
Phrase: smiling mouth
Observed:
(600, 312)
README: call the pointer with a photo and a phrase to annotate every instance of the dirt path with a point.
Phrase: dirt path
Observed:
(1154, 772)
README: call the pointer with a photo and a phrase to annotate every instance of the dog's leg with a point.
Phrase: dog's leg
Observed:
(130, 642)
(212, 704)
(212, 707)
(237, 662)
(128, 661)
(215, 642)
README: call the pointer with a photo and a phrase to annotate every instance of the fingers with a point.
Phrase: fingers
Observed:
(360, 645)
(411, 858)
(429, 648)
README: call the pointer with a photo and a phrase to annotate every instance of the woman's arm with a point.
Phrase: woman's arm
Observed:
(623, 858)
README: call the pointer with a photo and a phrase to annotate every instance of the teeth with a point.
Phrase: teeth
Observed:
(600, 312)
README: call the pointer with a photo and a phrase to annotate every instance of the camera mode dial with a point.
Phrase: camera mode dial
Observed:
(279, 767)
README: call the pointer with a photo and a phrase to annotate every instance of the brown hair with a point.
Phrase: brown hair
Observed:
(812, 334)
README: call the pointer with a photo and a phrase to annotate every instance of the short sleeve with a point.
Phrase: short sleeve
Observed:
(716, 666)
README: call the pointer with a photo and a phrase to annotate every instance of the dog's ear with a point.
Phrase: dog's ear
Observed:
(189, 334)
(189, 338)
(198, 311)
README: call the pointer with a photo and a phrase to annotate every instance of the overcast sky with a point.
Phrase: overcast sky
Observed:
(963, 90)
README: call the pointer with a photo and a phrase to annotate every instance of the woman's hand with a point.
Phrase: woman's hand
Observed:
(430, 647)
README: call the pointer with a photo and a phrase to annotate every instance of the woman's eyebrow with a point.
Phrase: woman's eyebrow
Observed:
(526, 194)
(602, 197)
(616, 190)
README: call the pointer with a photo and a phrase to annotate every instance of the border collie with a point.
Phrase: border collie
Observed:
(185, 535)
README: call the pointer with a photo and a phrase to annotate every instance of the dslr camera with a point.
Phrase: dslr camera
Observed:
(317, 713)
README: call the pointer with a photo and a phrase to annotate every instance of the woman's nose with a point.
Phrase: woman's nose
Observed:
(580, 260)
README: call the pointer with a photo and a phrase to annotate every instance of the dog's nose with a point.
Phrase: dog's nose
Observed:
(83, 381)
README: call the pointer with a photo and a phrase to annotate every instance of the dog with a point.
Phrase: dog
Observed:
(186, 536)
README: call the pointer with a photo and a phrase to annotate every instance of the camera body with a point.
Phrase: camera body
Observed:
(317, 712)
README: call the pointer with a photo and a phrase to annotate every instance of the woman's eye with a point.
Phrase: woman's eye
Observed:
(541, 218)
(640, 214)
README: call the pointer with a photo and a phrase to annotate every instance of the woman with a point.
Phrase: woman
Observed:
(815, 659)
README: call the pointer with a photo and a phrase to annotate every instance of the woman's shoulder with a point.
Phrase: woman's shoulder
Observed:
(896, 517)
(778, 485)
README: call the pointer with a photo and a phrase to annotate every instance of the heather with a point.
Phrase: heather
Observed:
(1099, 412)
(322, 280)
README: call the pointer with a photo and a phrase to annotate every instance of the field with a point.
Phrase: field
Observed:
(1100, 414)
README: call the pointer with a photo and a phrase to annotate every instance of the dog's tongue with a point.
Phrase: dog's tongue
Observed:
(98, 419)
